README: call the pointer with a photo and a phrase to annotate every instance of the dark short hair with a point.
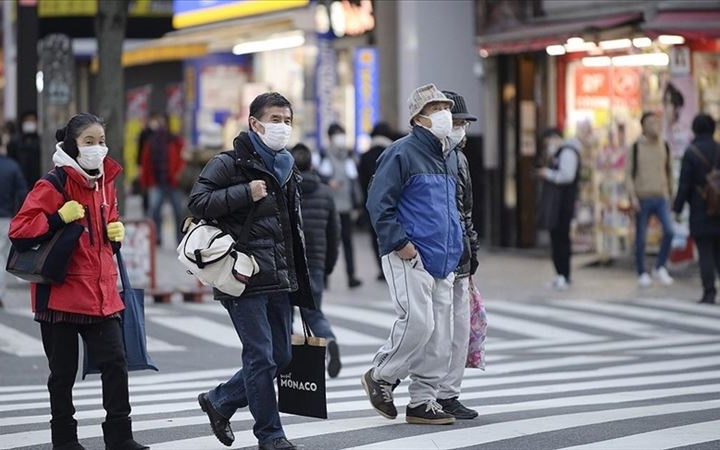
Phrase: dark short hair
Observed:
(76, 125)
(303, 157)
(335, 128)
(551, 132)
(267, 100)
(703, 124)
(382, 129)
(645, 115)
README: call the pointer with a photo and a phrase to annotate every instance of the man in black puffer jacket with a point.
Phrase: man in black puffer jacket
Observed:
(258, 177)
(321, 224)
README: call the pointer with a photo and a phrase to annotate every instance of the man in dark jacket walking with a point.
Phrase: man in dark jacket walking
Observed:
(11, 197)
(257, 181)
(701, 156)
(449, 389)
(321, 225)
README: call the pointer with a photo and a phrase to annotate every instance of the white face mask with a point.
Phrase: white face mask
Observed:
(277, 135)
(456, 136)
(91, 157)
(29, 127)
(441, 123)
(338, 140)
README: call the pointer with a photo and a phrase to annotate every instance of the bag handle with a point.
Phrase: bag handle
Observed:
(306, 329)
(124, 278)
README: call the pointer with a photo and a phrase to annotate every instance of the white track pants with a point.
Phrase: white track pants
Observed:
(450, 384)
(420, 339)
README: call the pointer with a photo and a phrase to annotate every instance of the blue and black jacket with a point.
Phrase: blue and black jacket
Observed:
(412, 198)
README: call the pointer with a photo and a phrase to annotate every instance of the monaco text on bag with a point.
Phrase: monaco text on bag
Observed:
(301, 385)
(214, 257)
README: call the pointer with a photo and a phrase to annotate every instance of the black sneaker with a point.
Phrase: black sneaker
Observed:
(278, 444)
(458, 410)
(430, 413)
(334, 365)
(380, 394)
(354, 282)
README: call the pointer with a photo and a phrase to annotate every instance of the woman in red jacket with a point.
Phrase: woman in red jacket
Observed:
(87, 302)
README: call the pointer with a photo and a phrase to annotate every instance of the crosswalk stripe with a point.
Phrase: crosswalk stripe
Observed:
(686, 435)
(557, 312)
(649, 313)
(526, 427)
(691, 308)
(634, 345)
(535, 329)
(346, 336)
(199, 327)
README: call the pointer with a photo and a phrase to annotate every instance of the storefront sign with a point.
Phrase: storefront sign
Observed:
(136, 112)
(189, 13)
(73, 8)
(602, 87)
(367, 95)
(325, 82)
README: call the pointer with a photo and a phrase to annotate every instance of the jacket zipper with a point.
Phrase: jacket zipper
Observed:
(449, 220)
(91, 225)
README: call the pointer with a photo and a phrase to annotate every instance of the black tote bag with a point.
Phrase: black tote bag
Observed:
(133, 328)
(47, 262)
(301, 386)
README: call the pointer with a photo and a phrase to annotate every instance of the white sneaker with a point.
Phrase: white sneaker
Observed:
(644, 280)
(560, 283)
(662, 275)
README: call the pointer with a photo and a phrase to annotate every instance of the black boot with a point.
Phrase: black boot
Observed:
(117, 434)
(708, 296)
(64, 437)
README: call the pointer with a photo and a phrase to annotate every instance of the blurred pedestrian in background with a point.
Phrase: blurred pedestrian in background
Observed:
(161, 168)
(561, 177)
(87, 302)
(648, 179)
(340, 170)
(11, 197)
(257, 178)
(321, 226)
(449, 389)
(701, 156)
(25, 148)
(420, 238)
(381, 136)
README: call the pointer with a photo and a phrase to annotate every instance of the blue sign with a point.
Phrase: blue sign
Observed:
(367, 95)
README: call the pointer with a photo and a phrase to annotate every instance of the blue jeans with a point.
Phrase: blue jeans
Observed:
(263, 323)
(660, 207)
(156, 197)
(315, 318)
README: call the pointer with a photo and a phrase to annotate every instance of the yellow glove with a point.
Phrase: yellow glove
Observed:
(116, 231)
(71, 211)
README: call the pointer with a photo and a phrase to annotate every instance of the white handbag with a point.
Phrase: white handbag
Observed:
(212, 256)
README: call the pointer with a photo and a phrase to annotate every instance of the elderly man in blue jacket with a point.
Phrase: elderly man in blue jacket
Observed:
(412, 208)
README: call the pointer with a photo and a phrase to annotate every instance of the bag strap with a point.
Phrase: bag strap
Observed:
(634, 159)
(57, 178)
(306, 329)
(242, 240)
(124, 278)
(702, 157)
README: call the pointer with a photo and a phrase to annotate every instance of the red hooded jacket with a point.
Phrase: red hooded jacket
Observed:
(90, 286)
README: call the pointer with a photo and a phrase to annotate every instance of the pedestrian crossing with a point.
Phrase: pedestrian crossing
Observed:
(561, 374)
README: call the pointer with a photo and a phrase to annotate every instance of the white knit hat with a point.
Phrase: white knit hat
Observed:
(424, 95)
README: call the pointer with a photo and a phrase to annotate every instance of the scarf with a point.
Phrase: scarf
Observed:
(280, 162)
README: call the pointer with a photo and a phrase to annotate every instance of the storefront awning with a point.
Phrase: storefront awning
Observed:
(536, 36)
(691, 24)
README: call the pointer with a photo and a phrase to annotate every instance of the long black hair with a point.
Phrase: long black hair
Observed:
(75, 126)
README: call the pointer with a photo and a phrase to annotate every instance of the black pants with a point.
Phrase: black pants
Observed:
(105, 344)
(709, 260)
(346, 232)
(560, 243)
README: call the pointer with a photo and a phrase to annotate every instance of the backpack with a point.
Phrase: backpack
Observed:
(711, 191)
